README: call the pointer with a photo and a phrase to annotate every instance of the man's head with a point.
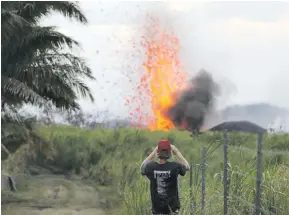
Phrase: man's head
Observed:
(164, 150)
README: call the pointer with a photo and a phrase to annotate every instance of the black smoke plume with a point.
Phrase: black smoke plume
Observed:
(194, 103)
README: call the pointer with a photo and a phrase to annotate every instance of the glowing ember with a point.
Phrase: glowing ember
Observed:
(162, 80)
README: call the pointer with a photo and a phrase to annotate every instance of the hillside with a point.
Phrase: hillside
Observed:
(261, 114)
(264, 115)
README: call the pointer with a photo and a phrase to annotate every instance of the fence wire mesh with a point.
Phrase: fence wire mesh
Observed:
(264, 185)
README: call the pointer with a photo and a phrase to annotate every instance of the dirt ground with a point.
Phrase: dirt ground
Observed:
(51, 195)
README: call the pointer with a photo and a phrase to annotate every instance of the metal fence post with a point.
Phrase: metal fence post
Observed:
(259, 174)
(225, 176)
(203, 197)
(191, 190)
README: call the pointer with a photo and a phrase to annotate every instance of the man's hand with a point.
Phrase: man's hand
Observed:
(155, 149)
(155, 152)
(151, 156)
(179, 156)
(174, 150)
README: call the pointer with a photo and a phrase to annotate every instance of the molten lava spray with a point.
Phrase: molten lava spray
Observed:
(163, 78)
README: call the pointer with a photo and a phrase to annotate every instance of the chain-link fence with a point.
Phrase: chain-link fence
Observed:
(256, 176)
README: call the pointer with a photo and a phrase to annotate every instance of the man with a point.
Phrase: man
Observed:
(163, 176)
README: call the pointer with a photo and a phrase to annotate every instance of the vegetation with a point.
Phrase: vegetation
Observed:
(112, 158)
(38, 66)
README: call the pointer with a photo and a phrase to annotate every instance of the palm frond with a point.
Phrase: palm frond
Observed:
(11, 88)
(34, 10)
(11, 23)
(60, 71)
(80, 68)
(34, 39)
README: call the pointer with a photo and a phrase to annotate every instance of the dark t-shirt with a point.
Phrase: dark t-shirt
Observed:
(164, 185)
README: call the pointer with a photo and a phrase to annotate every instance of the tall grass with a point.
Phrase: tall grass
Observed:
(113, 158)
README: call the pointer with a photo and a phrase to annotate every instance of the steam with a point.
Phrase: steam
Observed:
(194, 103)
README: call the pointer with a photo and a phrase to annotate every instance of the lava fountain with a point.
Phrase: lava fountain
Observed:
(162, 79)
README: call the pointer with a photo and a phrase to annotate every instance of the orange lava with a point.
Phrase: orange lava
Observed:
(163, 78)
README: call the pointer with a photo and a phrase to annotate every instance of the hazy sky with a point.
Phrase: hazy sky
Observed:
(244, 44)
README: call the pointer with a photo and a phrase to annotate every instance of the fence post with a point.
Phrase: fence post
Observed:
(225, 176)
(259, 174)
(191, 189)
(203, 197)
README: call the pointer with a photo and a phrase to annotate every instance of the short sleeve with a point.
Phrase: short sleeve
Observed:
(144, 167)
(182, 169)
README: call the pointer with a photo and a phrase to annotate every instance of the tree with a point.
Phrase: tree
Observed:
(35, 67)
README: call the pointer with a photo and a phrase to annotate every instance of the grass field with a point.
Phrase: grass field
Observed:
(113, 157)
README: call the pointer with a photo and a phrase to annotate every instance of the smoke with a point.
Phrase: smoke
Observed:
(194, 103)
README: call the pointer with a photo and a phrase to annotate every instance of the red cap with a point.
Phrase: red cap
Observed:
(164, 145)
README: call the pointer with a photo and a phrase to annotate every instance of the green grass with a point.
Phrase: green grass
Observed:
(113, 158)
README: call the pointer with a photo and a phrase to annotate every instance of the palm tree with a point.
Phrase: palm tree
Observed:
(35, 68)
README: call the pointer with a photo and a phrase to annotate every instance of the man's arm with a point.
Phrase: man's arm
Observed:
(148, 160)
(180, 157)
